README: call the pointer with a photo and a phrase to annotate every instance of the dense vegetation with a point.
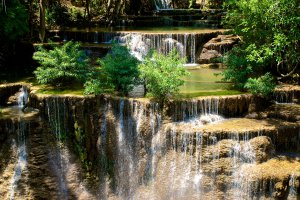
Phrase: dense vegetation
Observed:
(118, 71)
(270, 42)
(163, 74)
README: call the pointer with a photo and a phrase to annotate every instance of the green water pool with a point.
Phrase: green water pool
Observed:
(206, 82)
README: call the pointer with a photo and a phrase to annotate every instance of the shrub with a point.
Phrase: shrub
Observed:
(98, 83)
(163, 74)
(62, 65)
(263, 85)
(121, 68)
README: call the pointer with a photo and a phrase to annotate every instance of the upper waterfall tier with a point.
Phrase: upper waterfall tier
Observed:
(188, 42)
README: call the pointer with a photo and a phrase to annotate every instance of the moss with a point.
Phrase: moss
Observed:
(79, 146)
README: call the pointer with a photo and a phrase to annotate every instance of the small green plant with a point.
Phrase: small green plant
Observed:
(121, 68)
(163, 74)
(263, 85)
(62, 65)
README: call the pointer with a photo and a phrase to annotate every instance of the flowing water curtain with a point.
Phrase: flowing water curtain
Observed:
(162, 4)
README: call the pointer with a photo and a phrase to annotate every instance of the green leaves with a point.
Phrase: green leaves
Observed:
(121, 68)
(270, 35)
(163, 74)
(263, 85)
(61, 65)
(13, 20)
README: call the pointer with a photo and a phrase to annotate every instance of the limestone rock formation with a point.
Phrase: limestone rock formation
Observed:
(216, 47)
(263, 148)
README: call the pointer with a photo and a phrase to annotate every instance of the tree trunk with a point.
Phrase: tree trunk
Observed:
(87, 9)
(42, 27)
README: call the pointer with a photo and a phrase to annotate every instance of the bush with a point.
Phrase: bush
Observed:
(163, 74)
(263, 85)
(62, 65)
(98, 83)
(121, 68)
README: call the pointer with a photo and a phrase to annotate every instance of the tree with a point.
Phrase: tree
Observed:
(163, 74)
(13, 20)
(121, 68)
(270, 35)
(62, 65)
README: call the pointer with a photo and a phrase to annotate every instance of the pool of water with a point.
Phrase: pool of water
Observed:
(148, 30)
(205, 81)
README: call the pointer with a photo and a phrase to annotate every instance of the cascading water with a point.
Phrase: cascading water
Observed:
(20, 144)
(55, 114)
(140, 44)
(162, 4)
(293, 187)
(23, 97)
(22, 158)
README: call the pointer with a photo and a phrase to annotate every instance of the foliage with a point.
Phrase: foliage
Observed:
(61, 65)
(163, 74)
(121, 68)
(57, 14)
(263, 85)
(13, 20)
(98, 83)
(269, 30)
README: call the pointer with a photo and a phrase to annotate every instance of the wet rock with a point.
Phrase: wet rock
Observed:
(288, 112)
(263, 148)
(280, 189)
(216, 47)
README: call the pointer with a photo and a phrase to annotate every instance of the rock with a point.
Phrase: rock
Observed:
(280, 189)
(216, 47)
(263, 148)
(209, 56)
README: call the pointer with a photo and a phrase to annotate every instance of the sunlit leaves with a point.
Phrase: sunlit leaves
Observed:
(163, 74)
(61, 65)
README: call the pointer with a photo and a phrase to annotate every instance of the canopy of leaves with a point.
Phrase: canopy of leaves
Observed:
(270, 32)
(121, 68)
(63, 64)
(163, 74)
(13, 20)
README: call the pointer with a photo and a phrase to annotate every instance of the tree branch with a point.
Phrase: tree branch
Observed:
(289, 73)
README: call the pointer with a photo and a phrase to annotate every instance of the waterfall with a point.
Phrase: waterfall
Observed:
(162, 4)
(141, 43)
(23, 97)
(293, 187)
(21, 164)
(56, 115)
(284, 97)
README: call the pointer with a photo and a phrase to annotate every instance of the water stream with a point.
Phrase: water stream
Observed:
(20, 144)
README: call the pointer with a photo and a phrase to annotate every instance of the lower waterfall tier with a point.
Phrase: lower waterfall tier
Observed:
(112, 148)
